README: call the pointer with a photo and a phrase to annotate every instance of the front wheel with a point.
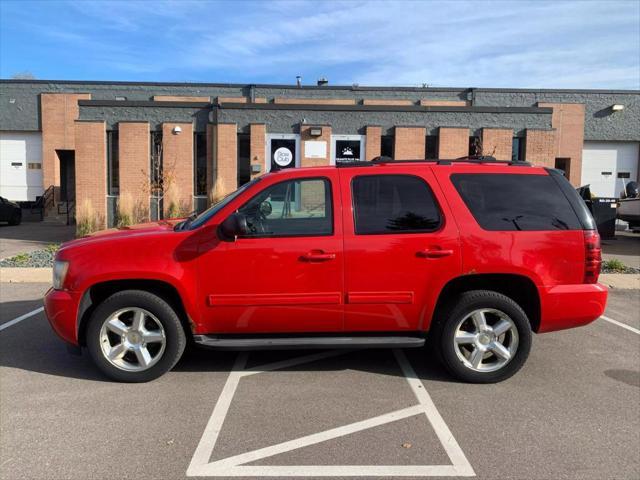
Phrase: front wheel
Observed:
(135, 336)
(483, 337)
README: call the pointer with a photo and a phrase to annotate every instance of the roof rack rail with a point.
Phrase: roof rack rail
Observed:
(471, 159)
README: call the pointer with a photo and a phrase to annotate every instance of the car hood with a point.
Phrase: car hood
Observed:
(143, 229)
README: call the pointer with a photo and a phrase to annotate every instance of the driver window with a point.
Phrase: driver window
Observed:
(292, 208)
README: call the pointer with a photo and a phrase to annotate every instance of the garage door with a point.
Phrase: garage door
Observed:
(20, 165)
(608, 166)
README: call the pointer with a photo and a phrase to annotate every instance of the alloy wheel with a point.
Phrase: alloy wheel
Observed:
(132, 339)
(486, 340)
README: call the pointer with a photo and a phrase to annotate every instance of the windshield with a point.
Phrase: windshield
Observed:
(216, 207)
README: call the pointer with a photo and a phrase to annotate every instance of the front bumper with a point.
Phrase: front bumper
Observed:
(61, 308)
(569, 306)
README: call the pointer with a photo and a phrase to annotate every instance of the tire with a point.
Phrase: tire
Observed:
(161, 335)
(456, 337)
(15, 219)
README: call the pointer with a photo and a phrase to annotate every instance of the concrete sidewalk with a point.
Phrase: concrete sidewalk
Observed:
(27, 237)
(625, 247)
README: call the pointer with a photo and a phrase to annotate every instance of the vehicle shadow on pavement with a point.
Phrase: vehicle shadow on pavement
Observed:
(32, 345)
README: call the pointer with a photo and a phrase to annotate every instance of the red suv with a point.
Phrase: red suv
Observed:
(469, 256)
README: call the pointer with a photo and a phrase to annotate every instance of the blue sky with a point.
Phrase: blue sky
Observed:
(545, 44)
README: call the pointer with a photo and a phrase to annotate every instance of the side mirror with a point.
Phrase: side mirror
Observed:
(266, 208)
(235, 225)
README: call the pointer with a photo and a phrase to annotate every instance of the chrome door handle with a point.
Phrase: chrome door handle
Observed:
(434, 253)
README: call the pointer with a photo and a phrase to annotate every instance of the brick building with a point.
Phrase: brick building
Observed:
(171, 147)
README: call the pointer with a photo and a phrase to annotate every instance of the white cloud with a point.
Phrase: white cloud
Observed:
(458, 43)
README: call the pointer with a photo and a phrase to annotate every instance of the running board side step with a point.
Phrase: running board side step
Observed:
(291, 343)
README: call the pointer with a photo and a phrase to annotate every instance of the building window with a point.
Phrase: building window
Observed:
(244, 158)
(34, 166)
(200, 160)
(517, 149)
(120, 98)
(155, 175)
(475, 146)
(431, 147)
(113, 163)
(386, 146)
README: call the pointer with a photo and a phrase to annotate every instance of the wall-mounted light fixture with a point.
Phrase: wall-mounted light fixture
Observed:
(177, 130)
(315, 132)
(617, 107)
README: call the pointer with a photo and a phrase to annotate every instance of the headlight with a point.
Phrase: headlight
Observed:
(59, 272)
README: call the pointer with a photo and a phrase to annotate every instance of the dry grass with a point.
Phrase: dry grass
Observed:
(87, 220)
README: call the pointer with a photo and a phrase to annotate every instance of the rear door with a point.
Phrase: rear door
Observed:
(401, 247)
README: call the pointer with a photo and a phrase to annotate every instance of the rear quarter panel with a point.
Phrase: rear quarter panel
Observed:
(548, 258)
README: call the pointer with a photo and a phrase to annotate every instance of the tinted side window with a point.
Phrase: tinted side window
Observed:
(393, 204)
(516, 202)
(293, 208)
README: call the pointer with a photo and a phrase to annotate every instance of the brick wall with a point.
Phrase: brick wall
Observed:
(540, 147)
(177, 166)
(443, 103)
(453, 142)
(91, 170)
(58, 114)
(568, 120)
(306, 137)
(133, 155)
(314, 101)
(409, 143)
(257, 146)
(179, 98)
(497, 142)
(397, 102)
(226, 159)
(373, 142)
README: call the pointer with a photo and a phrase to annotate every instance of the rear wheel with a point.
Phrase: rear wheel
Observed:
(483, 337)
(135, 336)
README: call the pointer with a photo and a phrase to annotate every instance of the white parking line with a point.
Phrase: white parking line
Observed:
(20, 318)
(235, 466)
(620, 324)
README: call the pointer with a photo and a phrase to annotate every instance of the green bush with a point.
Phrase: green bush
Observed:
(614, 265)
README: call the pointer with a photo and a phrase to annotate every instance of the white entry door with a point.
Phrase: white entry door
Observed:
(347, 148)
(282, 151)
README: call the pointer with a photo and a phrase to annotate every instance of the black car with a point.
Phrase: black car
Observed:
(10, 212)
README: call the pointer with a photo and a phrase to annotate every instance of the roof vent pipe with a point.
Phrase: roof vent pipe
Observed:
(298, 80)
(322, 81)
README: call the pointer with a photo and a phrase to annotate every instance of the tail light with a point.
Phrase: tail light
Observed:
(592, 257)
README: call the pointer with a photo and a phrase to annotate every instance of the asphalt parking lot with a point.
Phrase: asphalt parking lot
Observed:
(572, 412)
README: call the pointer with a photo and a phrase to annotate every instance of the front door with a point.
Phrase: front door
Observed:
(401, 246)
(283, 151)
(286, 275)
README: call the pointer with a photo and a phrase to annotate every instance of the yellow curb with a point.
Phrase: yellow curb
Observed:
(621, 281)
(25, 275)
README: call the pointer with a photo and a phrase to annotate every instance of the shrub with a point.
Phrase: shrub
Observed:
(87, 220)
(614, 265)
(125, 210)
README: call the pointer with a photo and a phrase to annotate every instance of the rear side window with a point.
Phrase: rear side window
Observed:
(393, 204)
(516, 202)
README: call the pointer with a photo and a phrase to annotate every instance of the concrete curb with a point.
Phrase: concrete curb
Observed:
(26, 275)
(621, 281)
